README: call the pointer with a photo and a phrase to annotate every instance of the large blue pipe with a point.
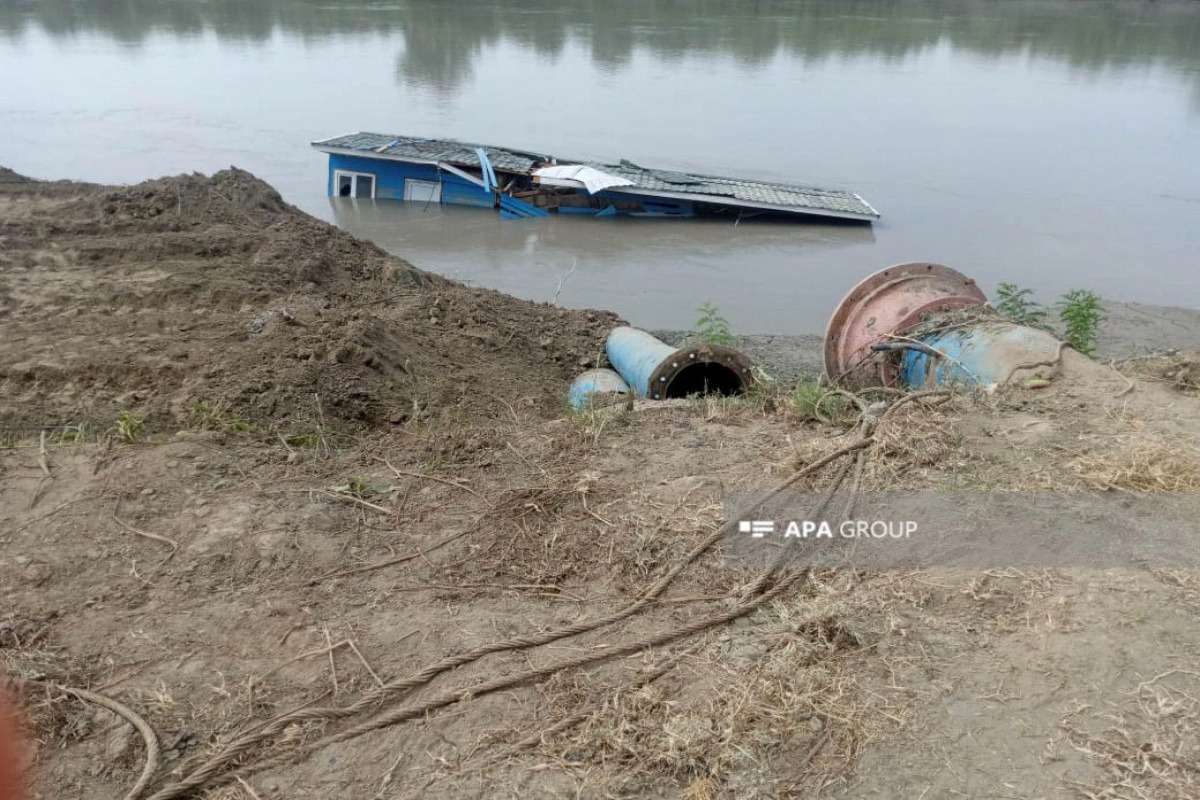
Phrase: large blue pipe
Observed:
(636, 355)
(977, 355)
(654, 369)
(595, 382)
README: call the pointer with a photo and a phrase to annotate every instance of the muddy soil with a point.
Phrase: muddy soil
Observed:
(191, 290)
(264, 484)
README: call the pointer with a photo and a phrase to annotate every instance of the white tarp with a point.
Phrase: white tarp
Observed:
(594, 180)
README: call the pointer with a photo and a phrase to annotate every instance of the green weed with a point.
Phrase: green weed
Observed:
(358, 486)
(1079, 310)
(220, 417)
(73, 434)
(595, 418)
(312, 433)
(712, 327)
(130, 426)
(1081, 314)
(1017, 304)
(815, 404)
(306, 440)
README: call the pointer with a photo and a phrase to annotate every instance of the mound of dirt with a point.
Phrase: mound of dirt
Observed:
(156, 298)
(8, 176)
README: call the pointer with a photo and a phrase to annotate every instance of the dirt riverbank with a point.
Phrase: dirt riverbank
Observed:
(321, 520)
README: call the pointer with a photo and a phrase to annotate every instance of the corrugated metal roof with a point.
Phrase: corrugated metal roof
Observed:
(789, 196)
(778, 194)
(446, 150)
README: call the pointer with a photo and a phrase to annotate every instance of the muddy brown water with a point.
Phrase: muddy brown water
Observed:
(1051, 144)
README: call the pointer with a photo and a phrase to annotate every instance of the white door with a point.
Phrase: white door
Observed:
(422, 191)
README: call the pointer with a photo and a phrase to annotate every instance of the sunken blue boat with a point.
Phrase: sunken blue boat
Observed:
(520, 184)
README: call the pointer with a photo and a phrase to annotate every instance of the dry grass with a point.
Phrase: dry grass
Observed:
(52, 720)
(910, 443)
(758, 711)
(1186, 581)
(234, 791)
(1142, 465)
(1149, 746)
(1179, 370)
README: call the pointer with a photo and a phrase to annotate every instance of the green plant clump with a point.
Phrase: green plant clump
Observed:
(815, 403)
(712, 327)
(358, 486)
(219, 417)
(1079, 310)
(309, 439)
(76, 433)
(130, 426)
(1081, 313)
(1017, 304)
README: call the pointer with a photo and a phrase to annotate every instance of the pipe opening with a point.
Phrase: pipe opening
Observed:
(704, 377)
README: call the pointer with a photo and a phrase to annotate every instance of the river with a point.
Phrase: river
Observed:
(1050, 144)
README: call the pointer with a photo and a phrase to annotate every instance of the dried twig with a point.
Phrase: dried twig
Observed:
(330, 647)
(342, 496)
(52, 512)
(388, 776)
(332, 665)
(249, 789)
(667, 664)
(455, 484)
(44, 463)
(909, 398)
(1129, 385)
(389, 562)
(307, 654)
(153, 536)
(358, 501)
(366, 665)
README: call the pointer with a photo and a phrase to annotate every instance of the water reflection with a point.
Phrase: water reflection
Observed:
(443, 41)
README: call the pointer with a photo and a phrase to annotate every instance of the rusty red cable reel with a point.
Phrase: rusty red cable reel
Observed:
(886, 303)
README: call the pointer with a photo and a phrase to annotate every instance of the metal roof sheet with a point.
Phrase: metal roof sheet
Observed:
(446, 150)
(779, 194)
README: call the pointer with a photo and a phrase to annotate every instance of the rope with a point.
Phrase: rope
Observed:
(120, 709)
(778, 561)
(207, 774)
(665, 666)
(478, 690)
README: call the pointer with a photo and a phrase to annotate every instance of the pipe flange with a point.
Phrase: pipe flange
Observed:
(891, 301)
(660, 384)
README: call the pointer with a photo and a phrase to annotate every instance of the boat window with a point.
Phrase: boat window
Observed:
(354, 184)
(416, 191)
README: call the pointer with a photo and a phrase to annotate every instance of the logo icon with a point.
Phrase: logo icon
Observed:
(757, 528)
